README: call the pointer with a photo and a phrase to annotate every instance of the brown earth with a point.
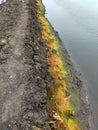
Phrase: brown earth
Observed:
(24, 77)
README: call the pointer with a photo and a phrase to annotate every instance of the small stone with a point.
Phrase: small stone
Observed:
(57, 117)
(37, 48)
(36, 115)
(36, 128)
(52, 125)
(30, 114)
(15, 128)
(3, 41)
(36, 58)
(11, 77)
(34, 43)
(25, 117)
(37, 65)
(54, 51)
(9, 125)
(23, 1)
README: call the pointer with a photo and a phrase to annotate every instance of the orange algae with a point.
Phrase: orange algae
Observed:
(64, 111)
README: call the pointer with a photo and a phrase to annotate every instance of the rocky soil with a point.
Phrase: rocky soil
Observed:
(24, 76)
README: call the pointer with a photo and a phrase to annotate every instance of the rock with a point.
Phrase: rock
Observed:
(30, 114)
(36, 58)
(37, 65)
(52, 125)
(3, 41)
(54, 51)
(11, 77)
(25, 117)
(34, 43)
(15, 128)
(36, 48)
(9, 125)
(57, 117)
(36, 115)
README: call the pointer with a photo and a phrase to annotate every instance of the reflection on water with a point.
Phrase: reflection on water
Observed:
(77, 24)
(2, 1)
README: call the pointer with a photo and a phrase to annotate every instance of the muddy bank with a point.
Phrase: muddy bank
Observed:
(83, 112)
(24, 76)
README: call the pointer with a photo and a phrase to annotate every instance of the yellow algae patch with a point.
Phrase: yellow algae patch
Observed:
(64, 112)
(72, 125)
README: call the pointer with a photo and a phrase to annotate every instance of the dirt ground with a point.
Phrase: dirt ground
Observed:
(24, 77)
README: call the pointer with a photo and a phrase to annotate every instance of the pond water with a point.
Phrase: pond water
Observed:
(76, 21)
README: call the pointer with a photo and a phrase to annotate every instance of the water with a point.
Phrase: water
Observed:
(2, 1)
(77, 24)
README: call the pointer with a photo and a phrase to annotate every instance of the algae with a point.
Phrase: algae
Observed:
(64, 99)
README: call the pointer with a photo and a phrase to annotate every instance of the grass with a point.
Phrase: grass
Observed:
(64, 100)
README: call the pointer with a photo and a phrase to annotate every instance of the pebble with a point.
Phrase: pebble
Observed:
(9, 125)
(30, 114)
(54, 51)
(36, 128)
(3, 41)
(11, 77)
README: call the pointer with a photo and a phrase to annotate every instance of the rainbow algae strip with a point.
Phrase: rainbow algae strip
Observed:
(63, 100)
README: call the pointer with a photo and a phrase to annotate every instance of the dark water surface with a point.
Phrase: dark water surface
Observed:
(77, 24)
